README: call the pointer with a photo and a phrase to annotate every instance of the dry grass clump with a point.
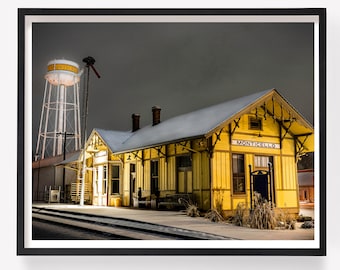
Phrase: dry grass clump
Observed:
(286, 221)
(263, 216)
(240, 218)
(191, 209)
(214, 215)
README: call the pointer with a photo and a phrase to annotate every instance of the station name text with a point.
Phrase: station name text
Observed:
(256, 144)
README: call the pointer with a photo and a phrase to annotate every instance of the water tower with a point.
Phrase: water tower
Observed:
(59, 129)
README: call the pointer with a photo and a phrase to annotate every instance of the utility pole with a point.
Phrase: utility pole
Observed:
(64, 158)
(89, 61)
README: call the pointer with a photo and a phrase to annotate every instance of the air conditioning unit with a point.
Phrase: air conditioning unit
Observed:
(54, 195)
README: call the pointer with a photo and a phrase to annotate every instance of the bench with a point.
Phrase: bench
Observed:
(145, 202)
(174, 201)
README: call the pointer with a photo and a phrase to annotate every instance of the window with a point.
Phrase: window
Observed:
(255, 123)
(95, 179)
(183, 161)
(133, 177)
(115, 172)
(238, 174)
(104, 179)
(154, 177)
(263, 161)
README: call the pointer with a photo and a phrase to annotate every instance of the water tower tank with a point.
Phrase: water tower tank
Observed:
(62, 72)
(59, 129)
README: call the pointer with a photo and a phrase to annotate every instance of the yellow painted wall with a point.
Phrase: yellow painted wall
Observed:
(168, 171)
(237, 201)
(286, 199)
(163, 176)
(220, 170)
(201, 179)
(221, 197)
(289, 175)
(285, 172)
(126, 184)
(309, 144)
(212, 175)
(171, 183)
(288, 147)
(278, 173)
(223, 143)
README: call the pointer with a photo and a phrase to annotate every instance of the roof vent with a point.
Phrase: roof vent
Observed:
(156, 115)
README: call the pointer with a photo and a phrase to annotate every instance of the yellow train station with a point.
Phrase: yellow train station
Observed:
(217, 156)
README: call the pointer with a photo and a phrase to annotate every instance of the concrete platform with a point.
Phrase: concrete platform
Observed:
(180, 220)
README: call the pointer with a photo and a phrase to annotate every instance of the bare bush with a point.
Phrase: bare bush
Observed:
(285, 220)
(191, 208)
(214, 215)
(240, 218)
(263, 216)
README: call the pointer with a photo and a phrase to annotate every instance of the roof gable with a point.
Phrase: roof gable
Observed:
(113, 138)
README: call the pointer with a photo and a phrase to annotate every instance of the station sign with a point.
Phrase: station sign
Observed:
(256, 144)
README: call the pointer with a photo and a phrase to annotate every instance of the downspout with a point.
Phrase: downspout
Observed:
(210, 154)
(231, 132)
(200, 180)
(297, 179)
(143, 170)
(107, 179)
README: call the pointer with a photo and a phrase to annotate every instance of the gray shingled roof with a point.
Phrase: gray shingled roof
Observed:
(113, 138)
(187, 126)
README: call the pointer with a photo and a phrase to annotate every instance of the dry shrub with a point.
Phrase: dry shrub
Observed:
(240, 217)
(191, 209)
(219, 203)
(263, 216)
(214, 215)
(285, 220)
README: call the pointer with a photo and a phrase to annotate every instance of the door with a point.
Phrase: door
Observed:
(261, 182)
(184, 174)
(184, 180)
(132, 182)
(154, 177)
(100, 185)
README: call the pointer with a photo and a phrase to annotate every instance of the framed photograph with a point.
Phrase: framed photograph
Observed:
(171, 132)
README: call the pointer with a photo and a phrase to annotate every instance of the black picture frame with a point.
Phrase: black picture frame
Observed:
(23, 166)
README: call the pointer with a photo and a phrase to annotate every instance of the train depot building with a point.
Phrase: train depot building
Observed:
(218, 156)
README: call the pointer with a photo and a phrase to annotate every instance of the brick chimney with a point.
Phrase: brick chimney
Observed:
(135, 122)
(156, 115)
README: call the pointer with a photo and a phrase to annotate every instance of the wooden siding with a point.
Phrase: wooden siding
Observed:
(201, 179)
(221, 170)
(285, 171)
(212, 180)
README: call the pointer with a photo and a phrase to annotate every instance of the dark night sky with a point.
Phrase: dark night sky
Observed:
(180, 67)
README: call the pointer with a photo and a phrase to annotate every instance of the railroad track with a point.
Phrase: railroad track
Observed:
(117, 228)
